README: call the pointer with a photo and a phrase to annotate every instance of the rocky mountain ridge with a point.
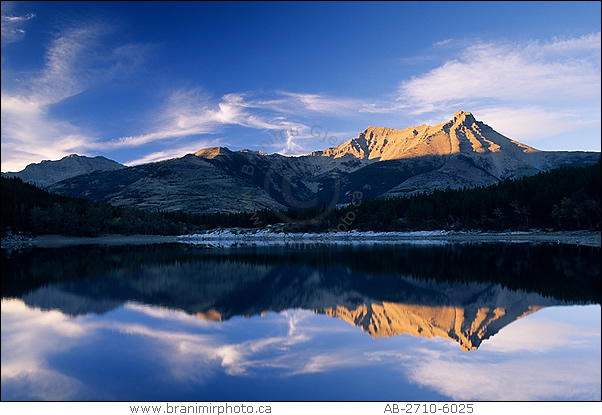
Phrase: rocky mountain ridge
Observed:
(378, 163)
(48, 172)
(462, 134)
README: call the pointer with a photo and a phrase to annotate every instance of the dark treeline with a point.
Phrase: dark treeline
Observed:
(563, 199)
(129, 272)
(29, 209)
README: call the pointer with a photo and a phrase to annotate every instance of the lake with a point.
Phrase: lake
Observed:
(366, 322)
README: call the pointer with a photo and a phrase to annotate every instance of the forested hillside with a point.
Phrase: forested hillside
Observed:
(563, 199)
(29, 209)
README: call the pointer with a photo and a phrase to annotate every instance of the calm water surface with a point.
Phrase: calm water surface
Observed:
(174, 322)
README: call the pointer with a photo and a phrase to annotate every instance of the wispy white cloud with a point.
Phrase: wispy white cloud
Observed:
(175, 152)
(531, 72)
(529, 89)
(322, 104)
(187, 354)
(30, 135)
(192, 112)
(13, 26)
(62, 74)
(444, 42)
(514, 365)
(302, 120)
(166, 314)
(535, 122)
(28, 132)
(24, 362)
(516, 379)
(75, 60)
(527, 336)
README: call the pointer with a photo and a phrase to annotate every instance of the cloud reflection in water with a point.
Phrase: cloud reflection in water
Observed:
(534, 358)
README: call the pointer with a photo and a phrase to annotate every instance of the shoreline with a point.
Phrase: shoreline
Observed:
(229, 237)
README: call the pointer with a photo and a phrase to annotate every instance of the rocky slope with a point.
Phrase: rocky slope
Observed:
(190, 184)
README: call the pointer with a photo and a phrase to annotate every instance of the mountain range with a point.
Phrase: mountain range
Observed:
(379, 163)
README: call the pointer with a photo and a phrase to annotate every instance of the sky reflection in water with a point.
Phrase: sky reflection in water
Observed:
(140, 352)
(79, 339)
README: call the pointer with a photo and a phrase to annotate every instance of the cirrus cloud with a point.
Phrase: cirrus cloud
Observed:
(527, 90)
(562, 70)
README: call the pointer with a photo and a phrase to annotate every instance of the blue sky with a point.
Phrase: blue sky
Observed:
(144, 81)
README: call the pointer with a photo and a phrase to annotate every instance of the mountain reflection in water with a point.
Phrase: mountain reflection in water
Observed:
(462, 292)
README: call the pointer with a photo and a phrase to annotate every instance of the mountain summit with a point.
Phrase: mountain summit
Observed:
(462, 134)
